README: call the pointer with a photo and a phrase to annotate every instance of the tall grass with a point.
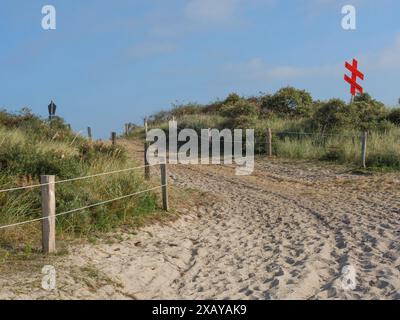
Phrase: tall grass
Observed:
(383, 148)
(25, 154)
(295, 138)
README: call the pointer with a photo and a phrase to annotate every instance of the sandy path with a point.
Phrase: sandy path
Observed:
(285, 232)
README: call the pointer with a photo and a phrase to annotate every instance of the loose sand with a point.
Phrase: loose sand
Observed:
(286, 232)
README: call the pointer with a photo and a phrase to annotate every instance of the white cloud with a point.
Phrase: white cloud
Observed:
(195, 16)
(219, 11)
(223, 10)
(389, 57)
(257, 70)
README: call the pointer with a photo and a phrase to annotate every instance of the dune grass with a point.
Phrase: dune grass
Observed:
(383, 148)
(26, 153)
(295, 138)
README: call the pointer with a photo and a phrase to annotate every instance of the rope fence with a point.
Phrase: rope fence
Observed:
(49, 215)
(82, 208)
(264, 142)
(317, 134)
(74, 179)
(48, 182)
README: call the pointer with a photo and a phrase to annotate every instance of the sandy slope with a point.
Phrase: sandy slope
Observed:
(285, 232)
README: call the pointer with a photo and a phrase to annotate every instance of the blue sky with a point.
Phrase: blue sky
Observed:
(111, 62)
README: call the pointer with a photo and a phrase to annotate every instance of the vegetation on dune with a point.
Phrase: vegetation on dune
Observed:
(303, 128)
(31, 146)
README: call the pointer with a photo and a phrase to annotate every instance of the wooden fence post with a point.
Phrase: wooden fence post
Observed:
(48, 213)
(146, 146)
(89, 133)
(269, 142)
(364, 149)
(128, 127)
(164, 183)
(113, 138)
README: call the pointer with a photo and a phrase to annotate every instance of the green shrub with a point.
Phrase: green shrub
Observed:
(336, 125)
(288, 101)
(394, 116)
(232, 99)
(198, 122)
(242, 122)
(187, 109)
(241, 108)
(332, 114)
(368, 112)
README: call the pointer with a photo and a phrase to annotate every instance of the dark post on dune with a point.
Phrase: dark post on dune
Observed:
(89, 132)
(52, 110)
(146, 146)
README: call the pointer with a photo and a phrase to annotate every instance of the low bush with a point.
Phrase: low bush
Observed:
(292, 114)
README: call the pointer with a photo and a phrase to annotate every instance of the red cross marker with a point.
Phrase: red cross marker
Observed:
(355, 73)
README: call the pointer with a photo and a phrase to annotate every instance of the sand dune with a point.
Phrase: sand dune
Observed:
(284, 233)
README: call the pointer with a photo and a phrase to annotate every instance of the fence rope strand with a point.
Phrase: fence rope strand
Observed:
(317, 134)
(82, 208)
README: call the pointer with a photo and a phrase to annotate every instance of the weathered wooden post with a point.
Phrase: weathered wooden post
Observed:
(89, 133)
(364, 149)
(146, 146)
(48, 213)
(113, 138)
(126, 129)
(164, 183)
(268, 148)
